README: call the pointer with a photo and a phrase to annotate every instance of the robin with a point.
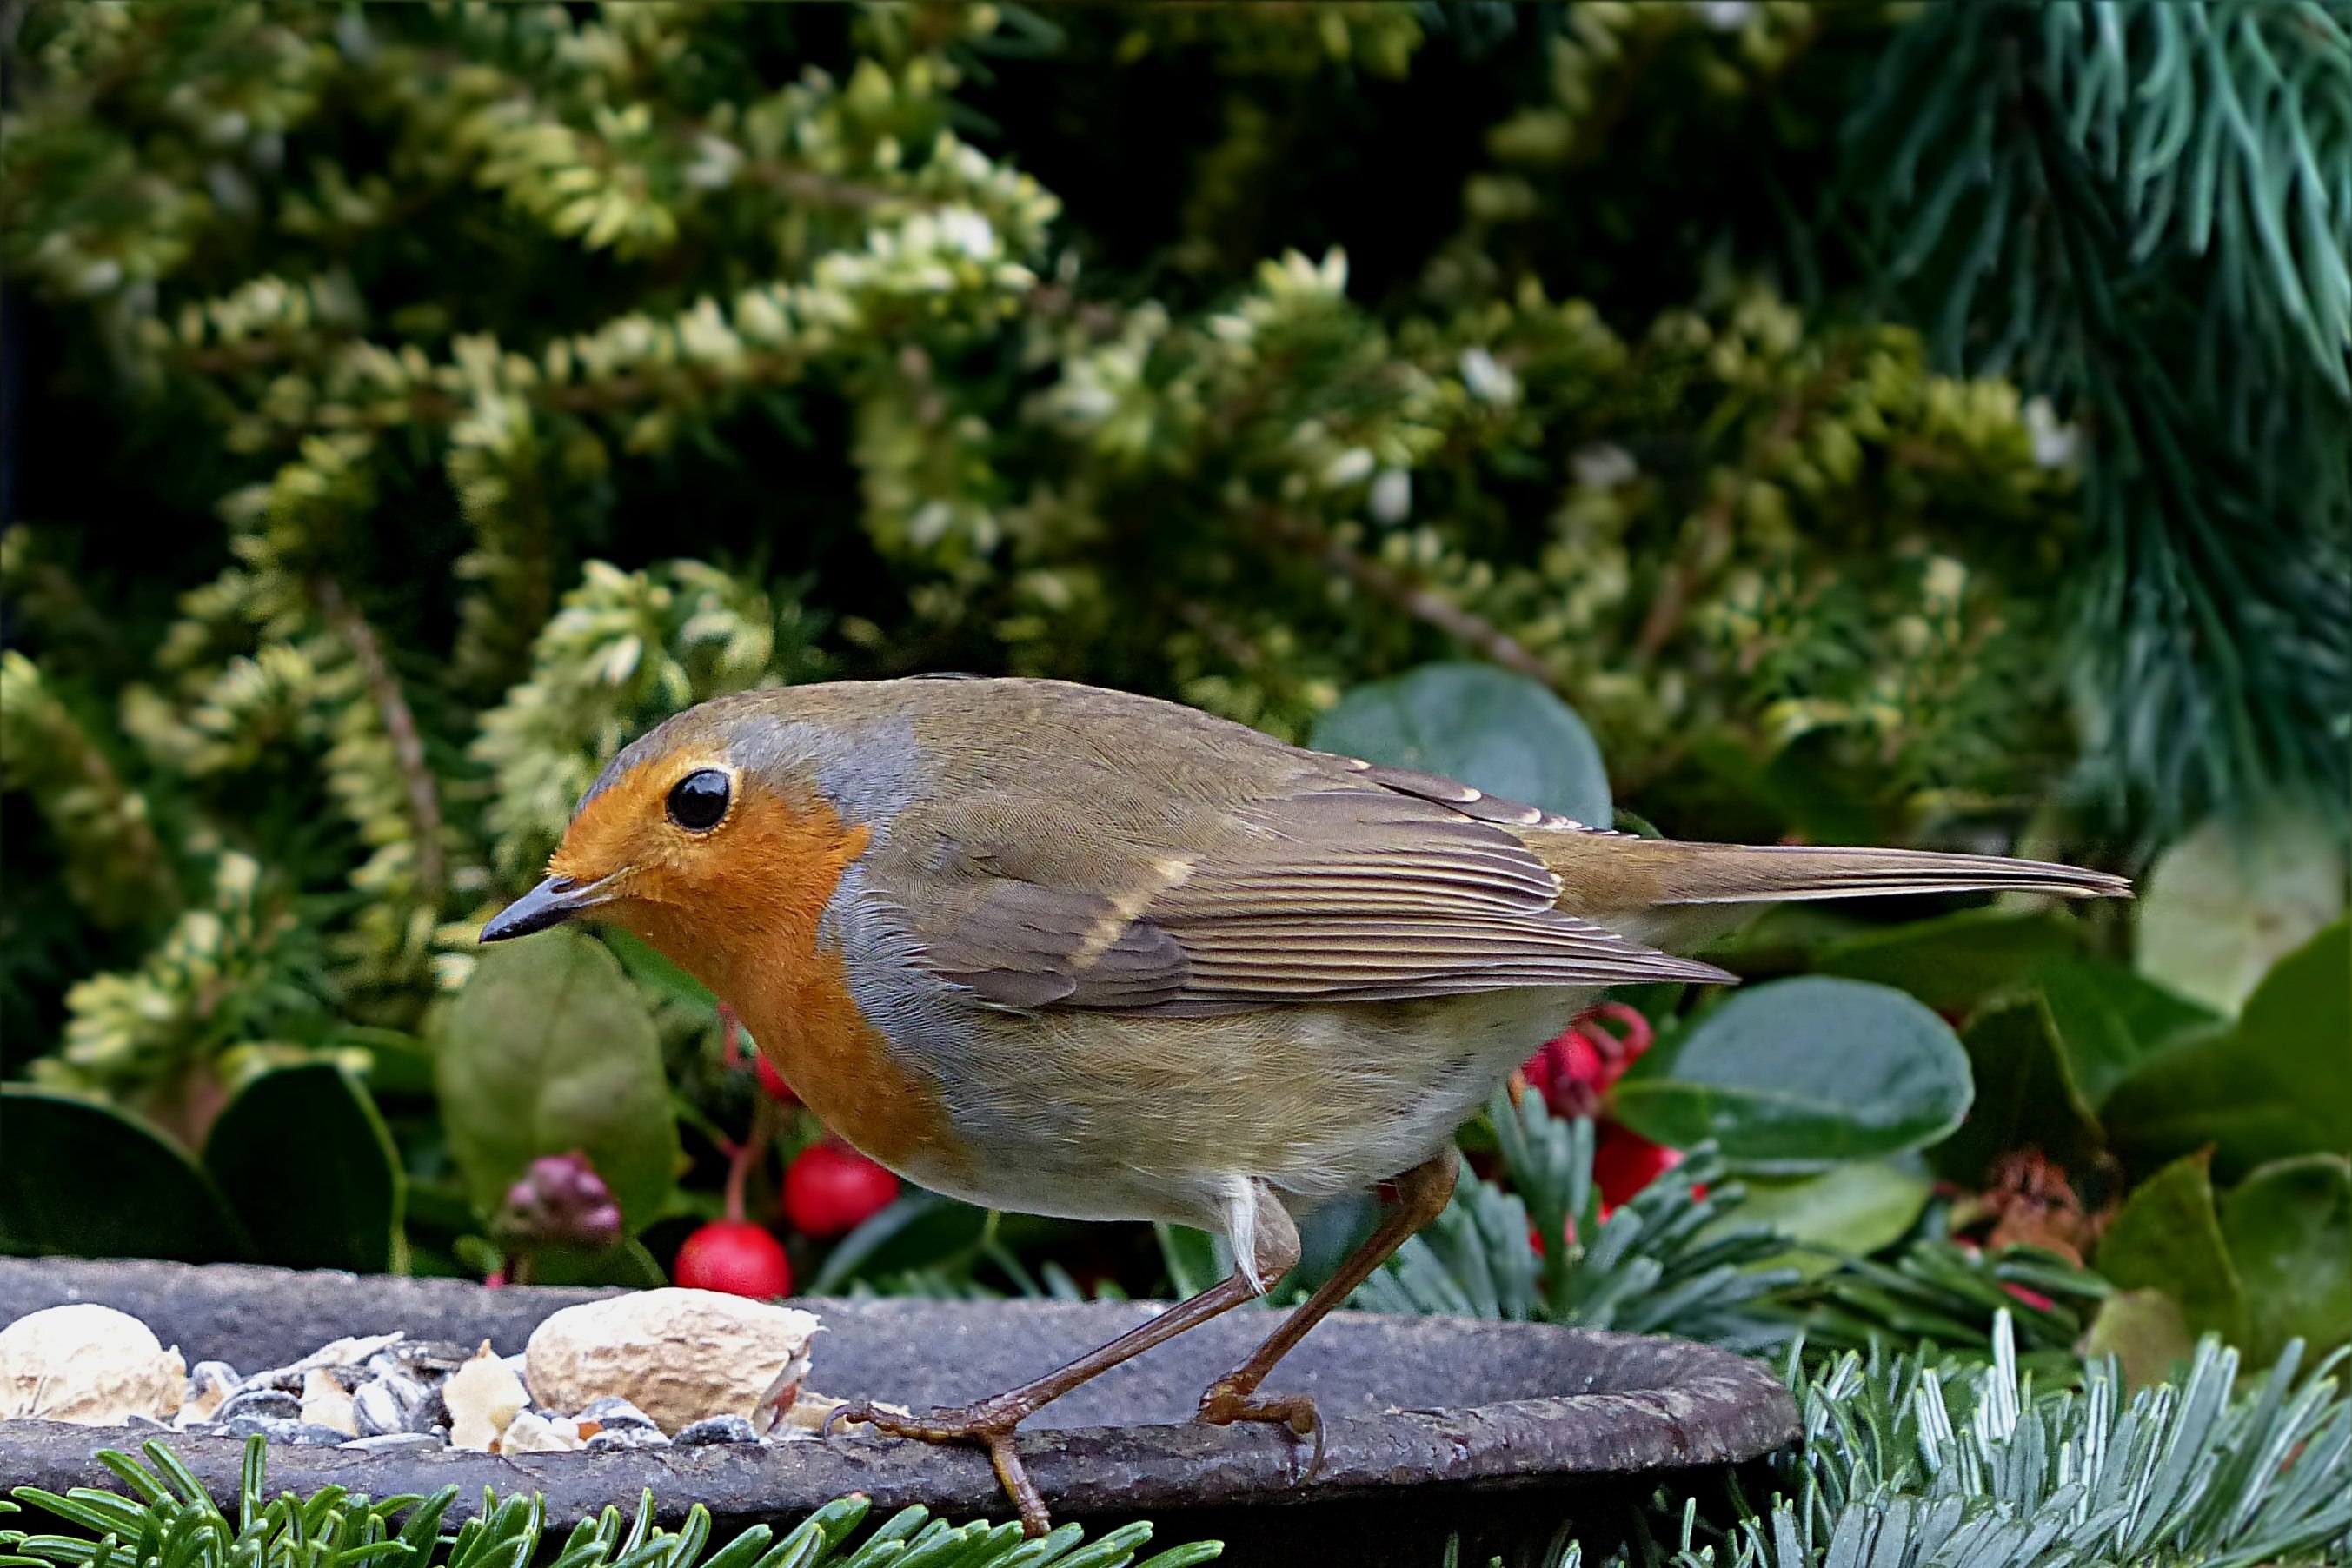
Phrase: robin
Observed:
(1078, 952)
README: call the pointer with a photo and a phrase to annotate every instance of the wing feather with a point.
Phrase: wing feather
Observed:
(1379, 886)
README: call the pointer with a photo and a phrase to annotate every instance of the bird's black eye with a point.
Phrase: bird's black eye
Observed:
(698, 800)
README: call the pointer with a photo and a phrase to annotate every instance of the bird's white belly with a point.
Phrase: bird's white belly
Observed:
(1100, 1116)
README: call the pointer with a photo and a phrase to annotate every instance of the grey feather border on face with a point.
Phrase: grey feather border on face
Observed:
(892, 986)
(869, 771)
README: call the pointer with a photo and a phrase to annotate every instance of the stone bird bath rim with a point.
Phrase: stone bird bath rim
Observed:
(1433, 1415)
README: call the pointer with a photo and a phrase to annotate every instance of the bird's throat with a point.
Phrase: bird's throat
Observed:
(764, 956)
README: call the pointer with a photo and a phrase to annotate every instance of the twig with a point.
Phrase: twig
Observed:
(1416, 601)
(1665, 613)
(399, 726)
(824, 190)
(1592, 138)
(1221, 634)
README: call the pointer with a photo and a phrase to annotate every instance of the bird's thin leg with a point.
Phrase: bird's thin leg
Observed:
(990, 1422)
(1421, 1193)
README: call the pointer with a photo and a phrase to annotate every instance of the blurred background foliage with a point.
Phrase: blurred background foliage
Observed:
(1874, 421)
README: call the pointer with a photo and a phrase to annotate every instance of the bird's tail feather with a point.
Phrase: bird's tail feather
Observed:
(1630, 884)
(1741, 873)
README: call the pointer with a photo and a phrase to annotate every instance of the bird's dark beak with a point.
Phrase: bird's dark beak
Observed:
(550, 903)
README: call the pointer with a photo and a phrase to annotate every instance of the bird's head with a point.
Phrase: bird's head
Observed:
(711, 837)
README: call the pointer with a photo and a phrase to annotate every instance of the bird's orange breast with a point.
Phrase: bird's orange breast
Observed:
(811, 1027)
(755, 942)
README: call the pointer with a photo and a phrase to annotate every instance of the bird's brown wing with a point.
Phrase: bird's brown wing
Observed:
(1343, 889)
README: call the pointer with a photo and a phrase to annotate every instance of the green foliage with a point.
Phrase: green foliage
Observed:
(1952, 961)
(2095, 1077)
(2030, 1098)
(390, 327)
(2278, 1082)
(2227, 900)
(86, 1180)
(1936, 1291)
(2289, 1230)
(549, 1050)
(2140, 210)
(1847, 1211)
(1914, 1460)
(115, 867)
(1911, 1459)
(2146, 1333)
(302, 1156)
(925, 1244)
(2266, 1266)
(1658, 1264)
(2080, 1056)
(297, 1170)
(228, 981)
(895, 254)
(170, 1519)
(2168, 1237)
(489, 383)
(2105, 1021)
(1799, 1074)
(2110, 1023)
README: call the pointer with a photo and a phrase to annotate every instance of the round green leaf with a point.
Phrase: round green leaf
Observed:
(2026, 1096)
(2277, 1083)
(2111, 1021)
(1486, 727)
(2225, 903)
(305, 1161)
(626, 1263)
(2166, 1238)
(2289, 1230)
(1847, 1211)
(86, 1180)
(549, 1049)
(1951, 962)
(1799, 1074)
(2146, 1333)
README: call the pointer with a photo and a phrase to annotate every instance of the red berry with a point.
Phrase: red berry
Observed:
(773, 1082)
(1569, 1073)
(1625, 1163)
(1535, 1075)
(832, 1189)
(1579, 1059)
(1614, 1053)
(736, 1256)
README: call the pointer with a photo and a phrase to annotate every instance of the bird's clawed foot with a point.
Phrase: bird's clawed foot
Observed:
(1227, 1400)
(988, 1424)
